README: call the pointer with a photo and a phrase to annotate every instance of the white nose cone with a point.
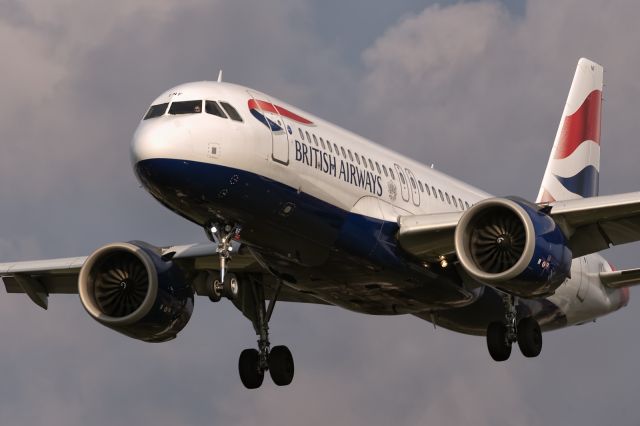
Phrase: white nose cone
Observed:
(160, 138)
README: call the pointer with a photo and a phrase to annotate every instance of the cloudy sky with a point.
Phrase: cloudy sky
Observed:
(474, 87)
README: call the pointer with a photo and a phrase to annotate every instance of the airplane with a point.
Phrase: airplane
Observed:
(297, 209)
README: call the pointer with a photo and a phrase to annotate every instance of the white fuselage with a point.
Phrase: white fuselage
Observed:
(282, 143)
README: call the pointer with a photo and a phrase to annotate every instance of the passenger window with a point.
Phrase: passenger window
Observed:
(448, 199)
(301, 134)
(413, 183)
(433, 188)
(384, 168)
(186, 107)
(441, 196)
(336, 148)
(455, 202)
(461, 205)
(378, 167)
(427, 188)
(344, 154)
(308, 137)
(315, 140)
(156, 111)
(420, 185)
(357, 158)
(350, 155)
(231, 111)
(328, 144)
(371, 164)
(392, 174)
(466, 204)
(211, 107)
(364, 162)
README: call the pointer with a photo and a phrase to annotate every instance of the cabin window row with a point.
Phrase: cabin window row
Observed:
(333, 148)
(368, 163)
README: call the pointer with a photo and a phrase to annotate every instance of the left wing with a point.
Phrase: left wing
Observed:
(590, 224)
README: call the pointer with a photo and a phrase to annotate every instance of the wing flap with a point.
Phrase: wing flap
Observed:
(597, 223)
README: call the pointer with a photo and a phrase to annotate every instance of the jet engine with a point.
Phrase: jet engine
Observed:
(129, 288)
(513, 245)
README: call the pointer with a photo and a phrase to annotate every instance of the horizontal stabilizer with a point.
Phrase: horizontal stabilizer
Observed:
(620, 279)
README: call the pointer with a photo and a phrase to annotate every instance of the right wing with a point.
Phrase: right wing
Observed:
(597, 223)
(38, 279)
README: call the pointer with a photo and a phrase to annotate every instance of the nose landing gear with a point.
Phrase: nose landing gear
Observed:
(226, 238)
(501, 335)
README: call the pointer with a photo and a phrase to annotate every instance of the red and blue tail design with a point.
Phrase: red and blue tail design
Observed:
(574, 165)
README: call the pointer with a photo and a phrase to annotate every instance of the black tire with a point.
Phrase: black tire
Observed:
(249, 367)
(281, 365)
(529, 337)
(499, 348)
(230, 287)
(213, 294)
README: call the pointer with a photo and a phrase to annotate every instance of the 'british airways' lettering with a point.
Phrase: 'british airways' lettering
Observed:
(347, 172)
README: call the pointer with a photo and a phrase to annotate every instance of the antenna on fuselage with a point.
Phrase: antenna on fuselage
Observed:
(220, 77)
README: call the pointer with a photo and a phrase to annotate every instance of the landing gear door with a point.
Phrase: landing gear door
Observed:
(267, 113)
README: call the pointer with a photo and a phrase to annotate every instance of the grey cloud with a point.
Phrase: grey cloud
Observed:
(471, 78)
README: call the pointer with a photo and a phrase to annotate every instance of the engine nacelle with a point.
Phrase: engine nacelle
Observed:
(129, 288)
(509, 244)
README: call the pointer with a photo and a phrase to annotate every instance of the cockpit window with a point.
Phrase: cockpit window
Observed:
(156, 111)
(186, 107)
(231, 111)
(213, 108)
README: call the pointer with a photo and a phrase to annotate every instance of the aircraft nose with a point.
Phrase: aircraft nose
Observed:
(159, 139)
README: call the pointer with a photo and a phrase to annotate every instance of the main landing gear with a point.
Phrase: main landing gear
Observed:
(501, 335)
(254, 363)
(248, 296)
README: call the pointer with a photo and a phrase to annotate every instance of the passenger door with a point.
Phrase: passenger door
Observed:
(404, 186)
(413, 186)
(268, 114)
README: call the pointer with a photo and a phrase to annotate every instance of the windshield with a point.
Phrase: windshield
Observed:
(156, 111)
(231, 111)
(213, 108)
(186, 107)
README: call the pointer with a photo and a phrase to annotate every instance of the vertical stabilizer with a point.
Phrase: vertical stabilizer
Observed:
(574, 165)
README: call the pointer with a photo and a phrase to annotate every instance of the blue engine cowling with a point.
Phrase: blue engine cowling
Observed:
(512, 245)
(129, 288)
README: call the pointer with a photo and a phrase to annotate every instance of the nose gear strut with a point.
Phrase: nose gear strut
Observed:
(227, 240)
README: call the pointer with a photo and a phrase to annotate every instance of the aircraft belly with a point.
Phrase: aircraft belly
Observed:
(346, 259)
(475, 317)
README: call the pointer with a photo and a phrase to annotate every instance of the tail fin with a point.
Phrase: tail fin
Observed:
(574, 165)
